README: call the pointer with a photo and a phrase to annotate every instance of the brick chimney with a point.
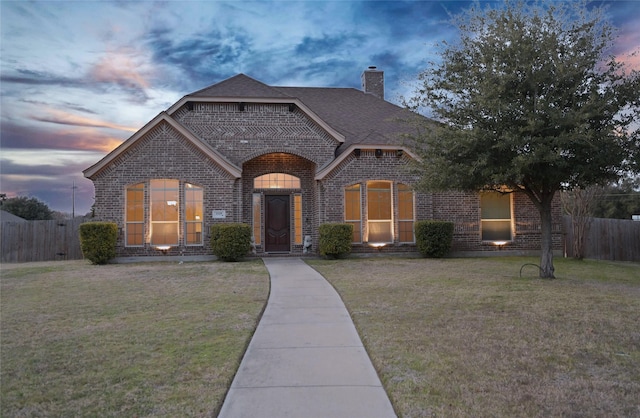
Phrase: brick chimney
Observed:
(373, 82)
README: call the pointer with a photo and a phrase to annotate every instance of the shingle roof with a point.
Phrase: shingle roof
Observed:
(361, 117)
(240, 86)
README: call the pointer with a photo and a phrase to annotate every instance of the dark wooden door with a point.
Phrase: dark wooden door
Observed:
(277, 224)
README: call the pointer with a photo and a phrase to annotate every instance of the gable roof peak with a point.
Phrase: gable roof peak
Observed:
(240, 85)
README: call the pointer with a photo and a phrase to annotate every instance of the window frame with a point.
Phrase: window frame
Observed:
(256, 218)
(369, 201)
(139, 187)
(488, 220)
(297, 218)
(354, 189)
(406, 190)
(277, 181)
(154, 193)
(199, 209)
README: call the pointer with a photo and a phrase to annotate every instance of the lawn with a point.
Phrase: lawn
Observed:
(449, 337)
(148, 339)
(471, 338)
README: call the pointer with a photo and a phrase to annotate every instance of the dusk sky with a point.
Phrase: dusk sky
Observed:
(80, 77)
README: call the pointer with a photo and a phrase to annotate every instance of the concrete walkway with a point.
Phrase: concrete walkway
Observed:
(305, 359)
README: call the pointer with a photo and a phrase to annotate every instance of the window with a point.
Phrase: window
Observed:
(379, 220)
(257, 218)
(164, 212)
(134, 223)
(193, 214)
(276, 181)
(405, 213)
(297, 218)
(352, 213)
(495, 210)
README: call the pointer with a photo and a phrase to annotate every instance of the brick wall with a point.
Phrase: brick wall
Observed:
(242, 135)
(463, 209)
(163, 153)
(389, 166)
(266, 138)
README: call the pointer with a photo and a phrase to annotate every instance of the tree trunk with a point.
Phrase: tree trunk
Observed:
(546, 240)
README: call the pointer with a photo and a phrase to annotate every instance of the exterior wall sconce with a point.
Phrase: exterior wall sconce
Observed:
(292, 107)
(357, 152)
(378, 153)
(241, 106)
(189, 106)
(399, 153)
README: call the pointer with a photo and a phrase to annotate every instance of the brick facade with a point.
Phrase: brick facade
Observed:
(223, 146)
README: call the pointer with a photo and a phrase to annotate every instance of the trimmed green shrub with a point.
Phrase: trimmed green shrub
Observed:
(98, 241)
(434, 238)
(230, 241)
(335, 239)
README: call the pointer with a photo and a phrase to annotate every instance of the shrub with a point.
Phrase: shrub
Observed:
(434, 238)
(230, 241)
(335, 239)
(98, 241)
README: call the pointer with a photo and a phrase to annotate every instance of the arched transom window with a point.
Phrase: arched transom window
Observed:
(276, 181)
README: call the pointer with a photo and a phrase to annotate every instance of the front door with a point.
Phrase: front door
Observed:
(277, 223)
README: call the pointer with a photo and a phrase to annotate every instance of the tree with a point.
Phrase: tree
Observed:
(27, 208)
(579, 203)
(526, 100)
(620, 200)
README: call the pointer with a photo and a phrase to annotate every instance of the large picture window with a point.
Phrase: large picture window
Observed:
(134, 222)
(405, 213)
(193, 216)
(352, 212)
(379, 221)
(496, 216)
(164, 212)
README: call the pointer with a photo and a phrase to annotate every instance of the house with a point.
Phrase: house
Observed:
(286, 160)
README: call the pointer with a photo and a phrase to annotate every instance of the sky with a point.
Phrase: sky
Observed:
(77, 78)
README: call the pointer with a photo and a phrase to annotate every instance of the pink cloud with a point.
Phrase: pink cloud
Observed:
(118, 68)
(65, 118)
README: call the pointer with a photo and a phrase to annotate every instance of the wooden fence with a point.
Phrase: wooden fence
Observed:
(607, 239)
(40, 240)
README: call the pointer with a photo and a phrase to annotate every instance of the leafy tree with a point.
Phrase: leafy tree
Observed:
(620, 200)
(27, 208)
(526, 100)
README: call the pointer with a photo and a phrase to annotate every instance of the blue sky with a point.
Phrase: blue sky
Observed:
(79, 77)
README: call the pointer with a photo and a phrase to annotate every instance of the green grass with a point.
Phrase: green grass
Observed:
(143, 339)
(470, 337)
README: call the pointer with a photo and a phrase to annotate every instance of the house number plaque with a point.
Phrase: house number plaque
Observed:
(219, 214)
